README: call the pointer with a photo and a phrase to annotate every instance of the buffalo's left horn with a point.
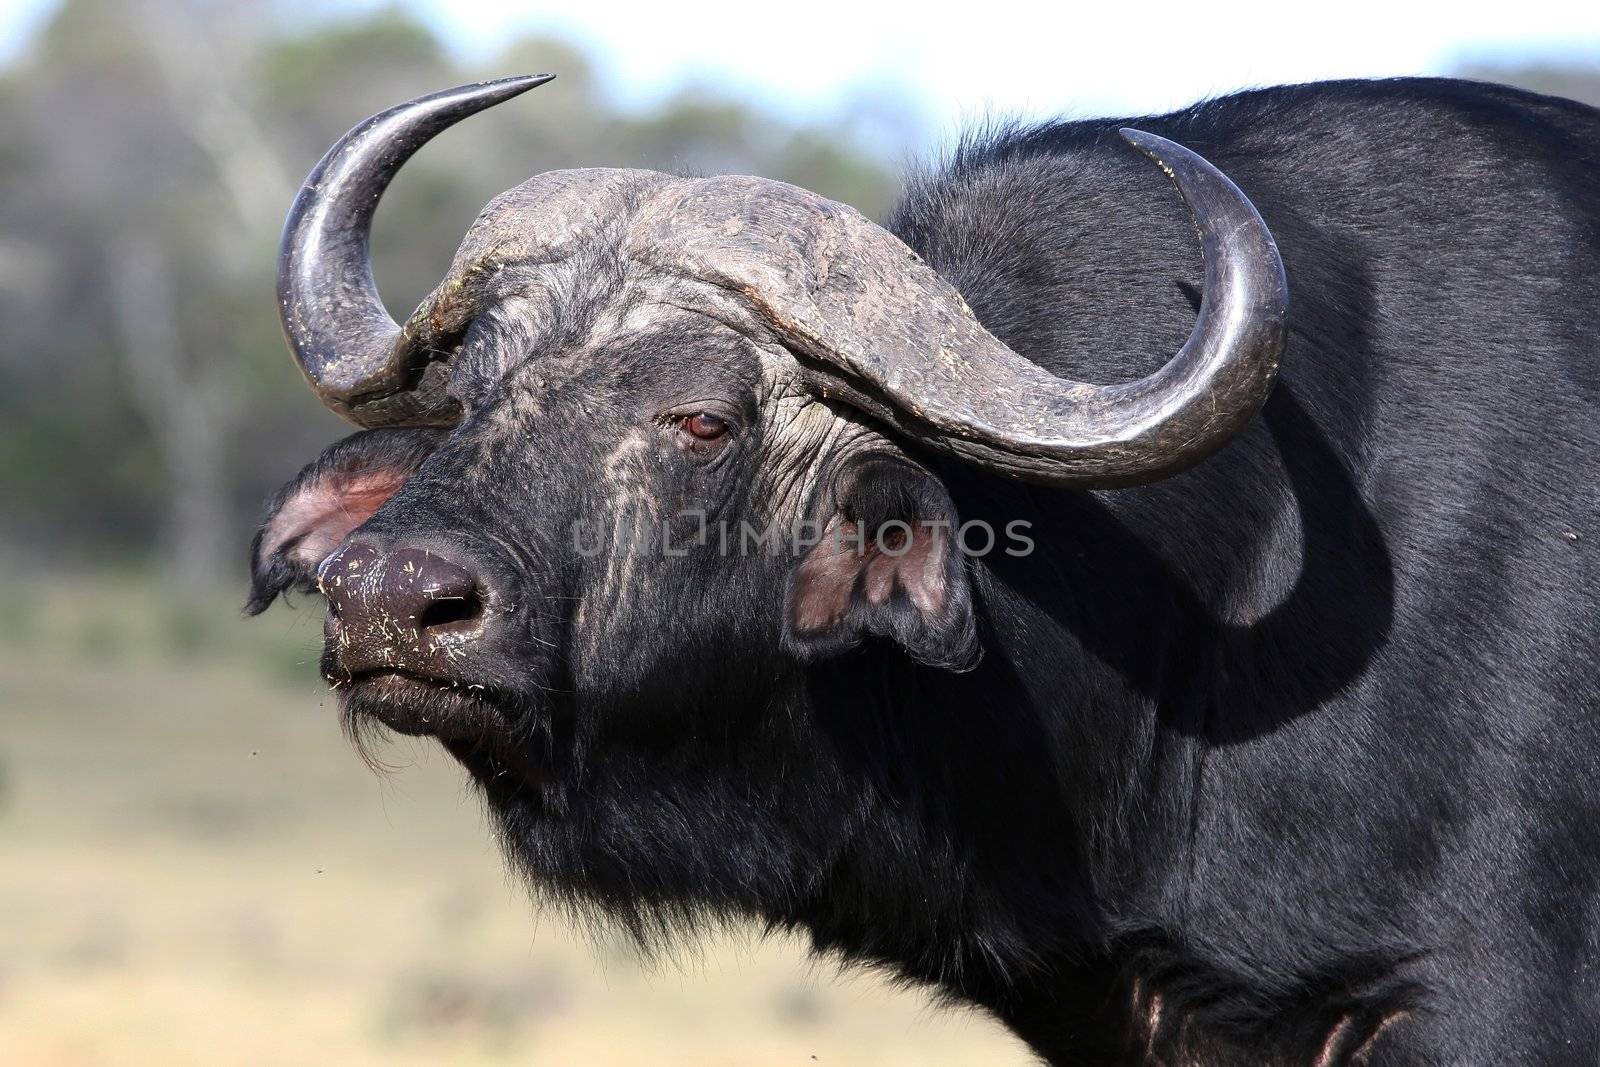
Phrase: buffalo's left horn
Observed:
(356, 357)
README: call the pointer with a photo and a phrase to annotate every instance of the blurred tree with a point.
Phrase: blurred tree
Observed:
(154, 189)
(147, 404)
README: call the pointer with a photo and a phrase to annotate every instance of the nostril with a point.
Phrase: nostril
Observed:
(451, 611)
(377, 598)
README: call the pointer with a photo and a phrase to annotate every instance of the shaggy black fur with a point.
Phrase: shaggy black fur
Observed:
(1292, 758)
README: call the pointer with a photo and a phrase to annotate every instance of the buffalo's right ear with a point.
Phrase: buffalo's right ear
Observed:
(885, 565)
(308, 518)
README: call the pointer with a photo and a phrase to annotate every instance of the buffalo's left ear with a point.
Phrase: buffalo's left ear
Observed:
(887, 565)
(308, 518)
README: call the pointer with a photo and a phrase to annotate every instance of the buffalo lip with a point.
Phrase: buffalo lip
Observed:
(420, 706)
(466, 718)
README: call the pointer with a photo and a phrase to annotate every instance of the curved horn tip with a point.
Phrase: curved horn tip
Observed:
(341, 335)
(517, 83)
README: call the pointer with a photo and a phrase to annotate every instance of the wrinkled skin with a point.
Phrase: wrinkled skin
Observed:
(607, 689)
(1287, 759)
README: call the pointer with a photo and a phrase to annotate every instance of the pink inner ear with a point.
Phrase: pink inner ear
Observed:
(826, 579)
(919, 571)
(321, 515)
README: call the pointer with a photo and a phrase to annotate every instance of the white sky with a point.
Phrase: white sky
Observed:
(959, 60)
(1037, 57)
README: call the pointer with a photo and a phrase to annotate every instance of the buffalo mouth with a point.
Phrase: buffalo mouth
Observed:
(417, 706)
(483, 727)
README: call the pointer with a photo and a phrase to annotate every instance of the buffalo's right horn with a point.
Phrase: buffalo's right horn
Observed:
(357, 359)
(877, 328)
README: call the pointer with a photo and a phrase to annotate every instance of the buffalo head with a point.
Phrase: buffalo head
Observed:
(656, 451)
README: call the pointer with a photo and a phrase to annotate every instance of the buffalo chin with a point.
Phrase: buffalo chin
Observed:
(478, 728)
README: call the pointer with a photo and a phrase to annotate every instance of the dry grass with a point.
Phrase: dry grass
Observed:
(194, 868)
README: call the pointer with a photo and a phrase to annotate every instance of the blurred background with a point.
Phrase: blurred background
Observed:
(193, 866)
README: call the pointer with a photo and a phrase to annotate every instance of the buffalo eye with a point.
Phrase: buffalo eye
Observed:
(705, 426)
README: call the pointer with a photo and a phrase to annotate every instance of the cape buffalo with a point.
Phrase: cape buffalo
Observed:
(919, 642)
